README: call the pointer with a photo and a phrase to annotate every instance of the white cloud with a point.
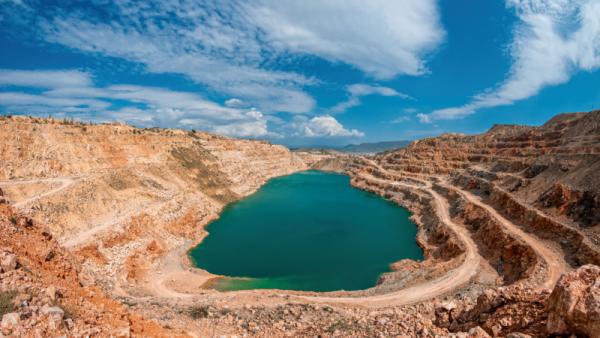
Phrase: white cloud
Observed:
(250, 129)
(232, 47)
(326, 126)
(358, 90)
(555, 39)
(382, 38)
(17, 102)
(341, 107)
(255, 126)
(423, 118)
(145, 106)
(44, 79)
(222, 53)
(233, 102)
(361, 89)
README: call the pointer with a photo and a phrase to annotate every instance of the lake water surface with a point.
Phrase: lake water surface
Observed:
(306, 231)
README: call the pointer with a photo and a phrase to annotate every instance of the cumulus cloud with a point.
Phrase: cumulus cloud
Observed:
(554, 39)
(358, 90)
(326, 126)
(255, 127)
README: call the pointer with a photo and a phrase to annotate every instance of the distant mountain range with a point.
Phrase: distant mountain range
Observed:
(374, 147)
(362, 148)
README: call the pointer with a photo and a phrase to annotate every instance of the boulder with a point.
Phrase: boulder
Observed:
(478, 332)
(8, 261)
(573, 303)
(10, 320)
(124, 332)
(55, 316)
(449, 306)
(51, 293)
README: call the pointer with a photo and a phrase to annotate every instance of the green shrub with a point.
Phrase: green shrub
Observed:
(6, 302)
(198, 312)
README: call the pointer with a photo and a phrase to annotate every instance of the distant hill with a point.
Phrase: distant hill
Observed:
(374, 147)
(362, 148)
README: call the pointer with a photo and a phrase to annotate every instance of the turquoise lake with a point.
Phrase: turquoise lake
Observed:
(307, 231)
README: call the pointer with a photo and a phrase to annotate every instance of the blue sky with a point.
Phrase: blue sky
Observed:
(311, 72)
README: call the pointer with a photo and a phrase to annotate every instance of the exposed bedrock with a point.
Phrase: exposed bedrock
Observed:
(574, 305)
(579, 249)
(513, 259)
(570, 309)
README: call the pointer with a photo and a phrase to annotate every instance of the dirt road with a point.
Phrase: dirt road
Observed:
(554, 260)
(65, 182)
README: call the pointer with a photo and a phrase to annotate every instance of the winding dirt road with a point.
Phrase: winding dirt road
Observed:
(554, 261)
(65, 182)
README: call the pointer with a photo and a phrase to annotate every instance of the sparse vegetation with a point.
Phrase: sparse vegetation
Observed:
(340, 325)
(198, 312)
(68, 121)
(207, 174)
(6, 302)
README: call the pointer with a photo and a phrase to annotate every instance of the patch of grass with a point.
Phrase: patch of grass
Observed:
(13, 220)
(6, 302)
(224, 312)
(198, 312)
(339, 325)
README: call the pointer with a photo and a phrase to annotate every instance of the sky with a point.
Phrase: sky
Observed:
(300, 73)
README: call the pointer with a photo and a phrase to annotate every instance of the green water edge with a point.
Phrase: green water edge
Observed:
(331, 237)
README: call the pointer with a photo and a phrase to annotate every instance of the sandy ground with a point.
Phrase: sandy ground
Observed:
(175, 278)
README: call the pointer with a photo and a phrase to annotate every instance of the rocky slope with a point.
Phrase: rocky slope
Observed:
(529, 196)
(503, 217)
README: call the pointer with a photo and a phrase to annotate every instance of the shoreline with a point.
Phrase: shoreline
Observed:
(188, 264)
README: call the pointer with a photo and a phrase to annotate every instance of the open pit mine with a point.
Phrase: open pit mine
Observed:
(96, 221)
